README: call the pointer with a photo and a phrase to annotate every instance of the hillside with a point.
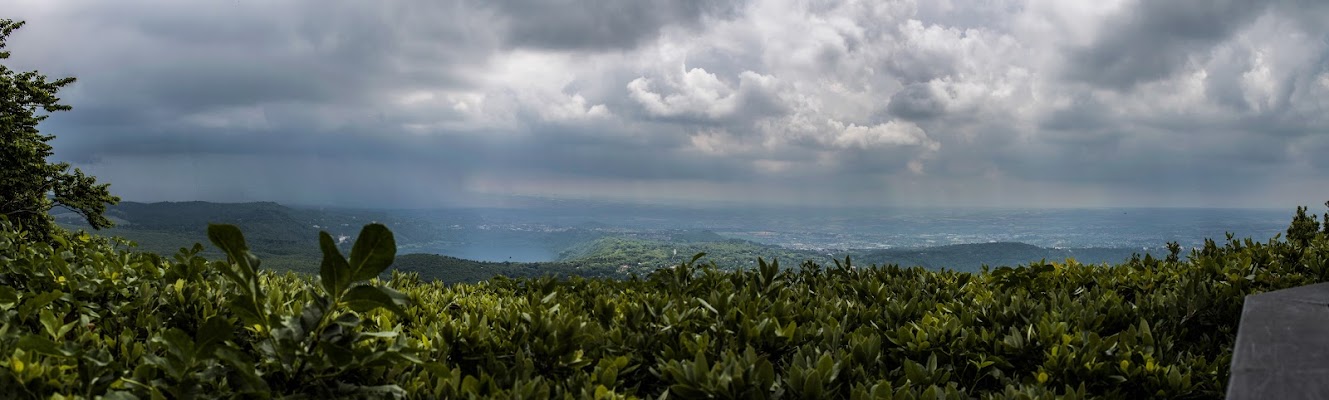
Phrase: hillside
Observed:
(286, 237)
(276, 229)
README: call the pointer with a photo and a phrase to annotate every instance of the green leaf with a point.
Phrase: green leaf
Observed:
(249, 312)
(49, 322)
(178, 342)
(229, 271)
(470, 386)
(39, 301)
(119, 395)
(244, 366)
(825, 366)
(812, 387)
(38, 344)
(337, 353)
(334, 271)
(765, 373)
(8, 297)
(365, 298)
(214, 331)
(229, 239)
(373, 252)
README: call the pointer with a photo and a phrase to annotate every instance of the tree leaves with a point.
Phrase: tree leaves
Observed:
(334, 271)
(366, 298)
(373, 252)
(229, 239)
(39, 344)
(26, 177)
(323, 336)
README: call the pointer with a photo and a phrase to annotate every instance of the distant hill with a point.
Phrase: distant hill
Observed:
(268, 227)
(286, 238)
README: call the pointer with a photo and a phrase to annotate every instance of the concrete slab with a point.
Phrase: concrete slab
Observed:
(1282, 348)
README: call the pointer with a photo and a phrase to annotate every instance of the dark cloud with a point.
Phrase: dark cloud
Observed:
(1082, 113)
(419, 103)
(915, 102)
(601, 24)
(1152, 40)
(1223, 82)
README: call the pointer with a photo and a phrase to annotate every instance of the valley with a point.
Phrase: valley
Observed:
(593, 239)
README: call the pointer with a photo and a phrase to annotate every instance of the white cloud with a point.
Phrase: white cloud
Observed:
(697, 93)
(893, 133)
(701, 94)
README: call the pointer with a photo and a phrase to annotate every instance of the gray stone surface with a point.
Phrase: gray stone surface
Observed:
(1282, 349)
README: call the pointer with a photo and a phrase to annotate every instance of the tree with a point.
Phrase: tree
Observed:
(1303, 228)
(1326, 219)
(30, 185)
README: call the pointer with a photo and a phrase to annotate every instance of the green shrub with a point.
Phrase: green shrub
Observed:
(84, 316)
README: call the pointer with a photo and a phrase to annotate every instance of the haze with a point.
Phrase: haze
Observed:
(1036, 103)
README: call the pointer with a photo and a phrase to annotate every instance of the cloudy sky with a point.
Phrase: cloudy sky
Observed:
(941, 102)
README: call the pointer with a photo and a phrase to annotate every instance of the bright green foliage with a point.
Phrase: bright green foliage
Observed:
(88, 318)
(27, 180)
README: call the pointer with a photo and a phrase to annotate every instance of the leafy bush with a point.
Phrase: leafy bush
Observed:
(85, 317)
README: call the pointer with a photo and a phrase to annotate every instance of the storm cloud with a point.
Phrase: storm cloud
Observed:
(417, 103)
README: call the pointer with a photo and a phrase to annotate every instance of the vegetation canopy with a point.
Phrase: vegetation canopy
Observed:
(86, 316)
(29, 185)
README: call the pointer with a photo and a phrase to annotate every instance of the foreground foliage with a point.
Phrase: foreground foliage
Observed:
(83, 316)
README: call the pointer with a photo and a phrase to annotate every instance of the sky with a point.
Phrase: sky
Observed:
(948, 103)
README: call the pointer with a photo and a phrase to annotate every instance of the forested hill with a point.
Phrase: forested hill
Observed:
(274, 227)
(286, 239)
(621, 257)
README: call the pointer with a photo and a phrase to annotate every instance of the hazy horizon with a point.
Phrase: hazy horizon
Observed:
(425, 104)
(536, 202)
(542, 231)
